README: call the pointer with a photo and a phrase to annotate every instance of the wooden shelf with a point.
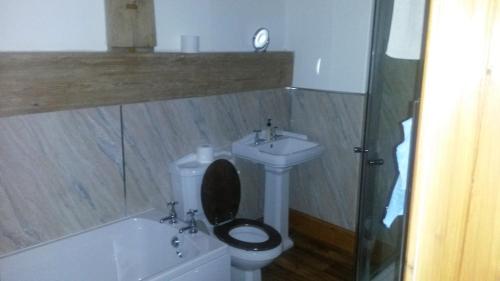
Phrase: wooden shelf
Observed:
(40, 82)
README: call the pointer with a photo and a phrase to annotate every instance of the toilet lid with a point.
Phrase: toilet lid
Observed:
(220, 192)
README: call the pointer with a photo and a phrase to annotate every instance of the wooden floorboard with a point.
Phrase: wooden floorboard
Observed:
(311, 260)
(329, 234)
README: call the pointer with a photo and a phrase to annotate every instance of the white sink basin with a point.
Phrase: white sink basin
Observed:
(288, 150)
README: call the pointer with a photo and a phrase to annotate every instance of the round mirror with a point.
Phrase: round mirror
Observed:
(261, 40)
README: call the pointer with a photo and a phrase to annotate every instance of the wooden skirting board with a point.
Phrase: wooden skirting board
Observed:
(322, 231)
(338, 239)
(40, 82)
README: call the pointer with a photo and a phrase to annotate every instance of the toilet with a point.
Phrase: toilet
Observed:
(211, 185)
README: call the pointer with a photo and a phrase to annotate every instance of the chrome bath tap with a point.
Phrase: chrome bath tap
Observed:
(172, 217)
(192, 227)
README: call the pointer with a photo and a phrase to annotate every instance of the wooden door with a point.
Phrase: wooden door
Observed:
(454, 228)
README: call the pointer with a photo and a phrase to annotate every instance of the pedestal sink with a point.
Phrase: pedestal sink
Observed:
(278, 156)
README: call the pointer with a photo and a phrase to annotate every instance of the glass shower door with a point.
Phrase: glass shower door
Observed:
(393, 91)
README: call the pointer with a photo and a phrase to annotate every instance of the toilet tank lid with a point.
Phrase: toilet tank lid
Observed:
(190, 166)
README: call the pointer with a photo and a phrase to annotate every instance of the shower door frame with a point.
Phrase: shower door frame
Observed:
(364, 167)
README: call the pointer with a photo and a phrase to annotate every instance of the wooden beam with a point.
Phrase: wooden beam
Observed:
(454, 226)
(40, 82)
(130, 24)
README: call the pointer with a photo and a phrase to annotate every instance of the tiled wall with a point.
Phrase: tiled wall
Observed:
(158, 133)
(327, 188)
(61, 172)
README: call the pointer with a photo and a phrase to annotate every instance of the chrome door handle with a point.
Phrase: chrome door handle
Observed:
(376, 162)
(359, 149)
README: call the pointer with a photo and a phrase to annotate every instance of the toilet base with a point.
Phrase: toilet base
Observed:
(242, 275)
(287, 244)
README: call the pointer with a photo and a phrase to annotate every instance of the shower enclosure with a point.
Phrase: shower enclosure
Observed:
(392, 98)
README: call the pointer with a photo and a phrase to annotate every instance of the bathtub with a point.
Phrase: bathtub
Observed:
(135, 248)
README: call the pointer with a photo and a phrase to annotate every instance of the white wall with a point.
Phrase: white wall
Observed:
(337, 32)
(223, 25)
(52, 25)
(331, 40)
(334, 32)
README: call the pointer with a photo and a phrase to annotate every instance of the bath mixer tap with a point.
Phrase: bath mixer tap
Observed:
(192, 227)
(172, 217)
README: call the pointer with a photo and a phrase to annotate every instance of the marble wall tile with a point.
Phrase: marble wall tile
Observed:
(276, 106)
(158, 133)
(60, 173)
(327, 188)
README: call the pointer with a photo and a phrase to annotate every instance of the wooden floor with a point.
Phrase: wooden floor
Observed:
(310, 260)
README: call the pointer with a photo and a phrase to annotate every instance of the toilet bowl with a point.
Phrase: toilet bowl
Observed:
(213, 188)
(253, 244)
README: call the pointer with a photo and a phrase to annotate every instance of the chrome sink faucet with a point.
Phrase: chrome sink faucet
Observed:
(172, 217)
(192, 226)
(274, 133)
(258, 140)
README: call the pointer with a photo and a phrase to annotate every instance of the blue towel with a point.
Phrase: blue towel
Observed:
(397, 202)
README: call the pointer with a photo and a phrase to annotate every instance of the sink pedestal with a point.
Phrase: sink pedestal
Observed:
(276, 202)
(278, 156)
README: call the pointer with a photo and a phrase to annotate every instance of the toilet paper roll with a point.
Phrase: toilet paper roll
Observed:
(190, 43)
(205, 154)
